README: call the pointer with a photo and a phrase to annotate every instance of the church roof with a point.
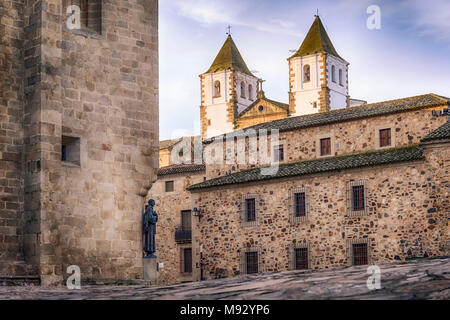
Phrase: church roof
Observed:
(316, 41)
(441, 133)
(359, 160)
(180, 168)
(229, 57)
(350, 114)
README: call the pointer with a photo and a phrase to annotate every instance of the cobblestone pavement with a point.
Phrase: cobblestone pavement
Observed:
(423, 279)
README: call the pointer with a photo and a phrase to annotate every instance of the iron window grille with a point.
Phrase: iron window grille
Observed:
(357, 198)
(249, 215)
(300, 257)
(250, 261)
(359, 251)
(299, 205)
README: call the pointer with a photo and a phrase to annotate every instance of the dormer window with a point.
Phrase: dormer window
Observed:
(242, 90)
(333, 74)
(306, 73)
(250, 92)
(216, 89)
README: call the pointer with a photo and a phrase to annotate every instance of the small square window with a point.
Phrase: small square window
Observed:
(325, 147)
(385, 138)
(278, 153)
(90, 14)
(360, 256)
(70, 150)
(169, 186)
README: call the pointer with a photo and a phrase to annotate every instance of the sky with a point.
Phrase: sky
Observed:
(408, 55)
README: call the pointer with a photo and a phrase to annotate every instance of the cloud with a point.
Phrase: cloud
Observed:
(233, 12)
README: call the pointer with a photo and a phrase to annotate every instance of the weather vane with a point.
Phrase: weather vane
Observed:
(229, 30)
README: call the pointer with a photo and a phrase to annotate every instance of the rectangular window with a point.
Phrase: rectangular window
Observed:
(70, 150)
(90, 14)
(250, 213)
(251, 261)
(340, 78)
(385, 138)
(169, 186)
(186, 219)
(359, 254)
(358, 198)
(186, 260)
(278, 153)
(325, 147)
(300, 204)
(301, 258)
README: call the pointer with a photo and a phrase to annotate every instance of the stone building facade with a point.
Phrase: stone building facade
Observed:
(79, 136)
(355, 183)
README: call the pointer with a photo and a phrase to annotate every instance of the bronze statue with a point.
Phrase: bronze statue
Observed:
(149, 223)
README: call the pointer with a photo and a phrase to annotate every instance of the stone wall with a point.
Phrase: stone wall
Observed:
(169, 206)
(11, 134)
(347, 137)
(407, 217)
(97, 86)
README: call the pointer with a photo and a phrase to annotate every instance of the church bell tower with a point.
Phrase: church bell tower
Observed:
(318, 76)
(227, 88)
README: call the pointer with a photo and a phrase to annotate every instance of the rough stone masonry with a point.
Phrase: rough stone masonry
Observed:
(78, 136)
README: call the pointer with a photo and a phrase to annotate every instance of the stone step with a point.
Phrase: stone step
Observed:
(20, 281)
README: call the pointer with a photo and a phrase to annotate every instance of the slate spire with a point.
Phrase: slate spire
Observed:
(316, 41)
(229, 57)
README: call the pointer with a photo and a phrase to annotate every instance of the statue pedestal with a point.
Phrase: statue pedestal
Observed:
(151, 270)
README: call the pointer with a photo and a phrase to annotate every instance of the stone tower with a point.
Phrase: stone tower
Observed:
(78, 136)
(227, 88)
(318, 76)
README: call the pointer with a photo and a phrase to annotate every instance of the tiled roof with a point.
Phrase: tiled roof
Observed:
(180, 168)
(353, 113)
(440, 133)
(317, 166)
(229, 57)
(316, 41)
(166, 144)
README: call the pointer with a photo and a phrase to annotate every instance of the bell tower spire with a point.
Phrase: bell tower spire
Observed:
(227, 88)
(318, 75)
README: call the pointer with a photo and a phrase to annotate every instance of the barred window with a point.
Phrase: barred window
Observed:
(360, 254)
(250, 210)
(300, 204)
(325, 147)
(385, 138)
(358, 198)
(251, 260)
(301, 258)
